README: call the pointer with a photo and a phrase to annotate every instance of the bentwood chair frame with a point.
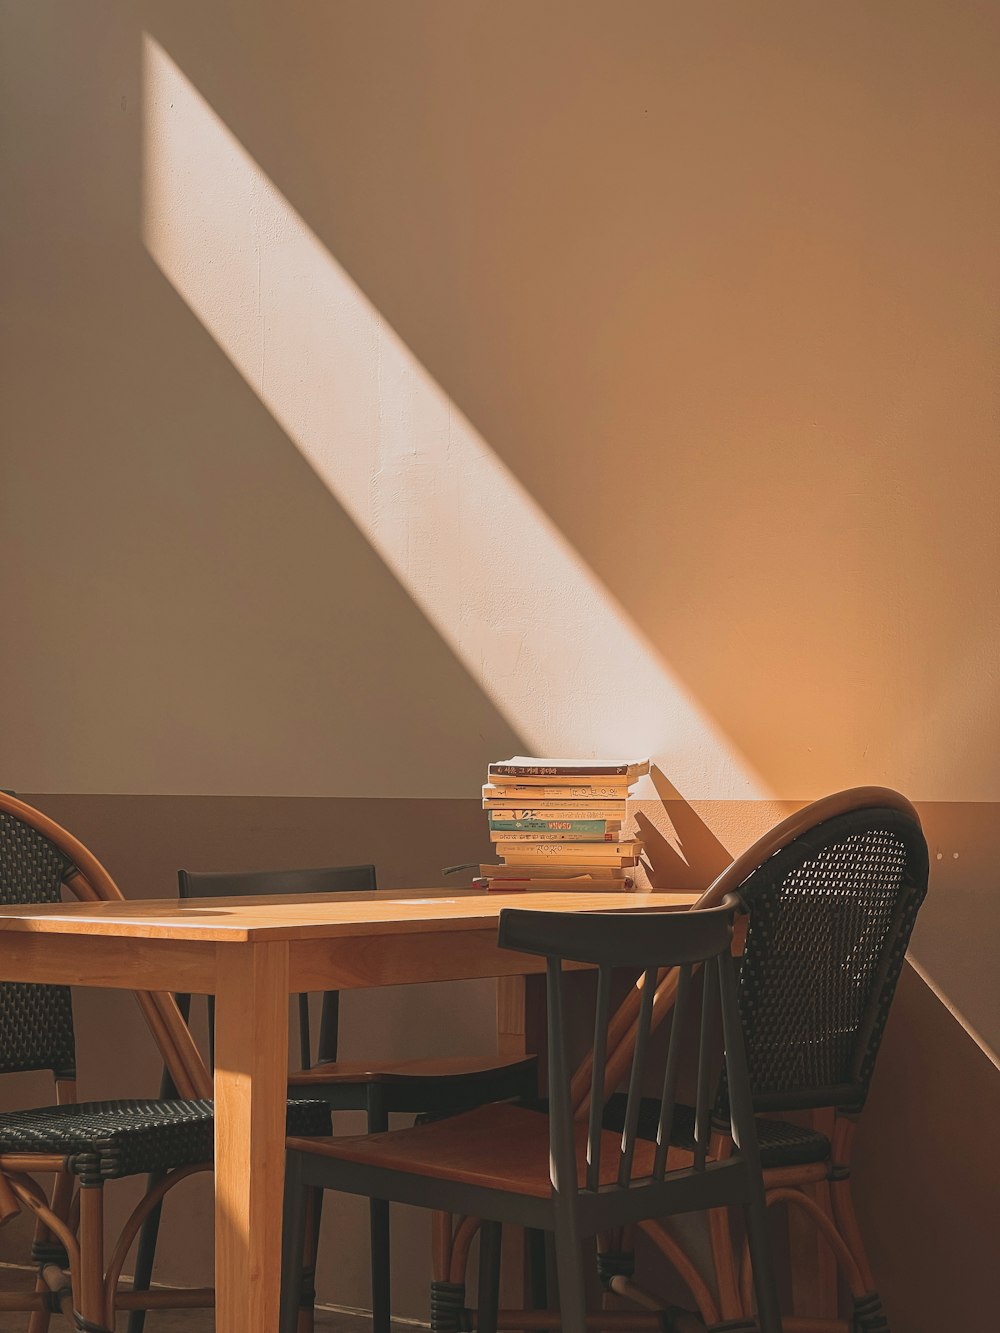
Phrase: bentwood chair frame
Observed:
(857, 863)
(42, 857)
(408, 1087)
(575, 1184)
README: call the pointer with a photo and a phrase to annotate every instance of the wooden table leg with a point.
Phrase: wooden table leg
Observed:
(251, 1072)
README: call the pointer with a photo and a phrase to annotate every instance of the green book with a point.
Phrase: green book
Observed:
(498, 824)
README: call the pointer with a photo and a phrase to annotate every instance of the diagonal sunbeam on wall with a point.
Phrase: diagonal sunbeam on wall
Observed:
(528, 619)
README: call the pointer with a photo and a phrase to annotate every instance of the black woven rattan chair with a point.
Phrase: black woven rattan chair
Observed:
(831, 895)
(561, 1171)
(84, 1145)
(410, 1087)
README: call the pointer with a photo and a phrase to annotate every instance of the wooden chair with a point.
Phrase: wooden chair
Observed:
(378, 1088)
(557, 1171)
(82, 1145)
(831, 896)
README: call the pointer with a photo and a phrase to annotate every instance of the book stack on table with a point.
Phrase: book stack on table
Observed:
(561, 824)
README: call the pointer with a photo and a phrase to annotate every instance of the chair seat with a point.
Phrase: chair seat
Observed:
(132, 1137)
(781, 1143)
(496, 1147)
(400, 1071)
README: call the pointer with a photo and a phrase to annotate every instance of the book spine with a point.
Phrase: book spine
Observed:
(597, 852)
(528, 793)
(615, 811)
(538, 836)
(576, 884)
(579, 863)
(551, 870)
(531, 822)
(557, 771)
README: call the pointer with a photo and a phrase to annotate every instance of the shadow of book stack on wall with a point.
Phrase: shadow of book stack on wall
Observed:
(687, 843)
(561, 823)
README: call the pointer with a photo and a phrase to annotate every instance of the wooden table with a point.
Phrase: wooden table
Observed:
(251, 953)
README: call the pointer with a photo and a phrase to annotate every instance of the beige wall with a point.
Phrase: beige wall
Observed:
(390, 386)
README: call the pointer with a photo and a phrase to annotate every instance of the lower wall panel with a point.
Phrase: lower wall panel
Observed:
(928, 1170)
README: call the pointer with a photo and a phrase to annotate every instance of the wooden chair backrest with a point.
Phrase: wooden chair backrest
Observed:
(267, 883)
(678, 941)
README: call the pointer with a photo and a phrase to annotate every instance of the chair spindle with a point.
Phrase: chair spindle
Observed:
(600, 1055)
(305, 1039)
(702, 1117)
(563, 1156)
(665, 1126)
(635, 1078)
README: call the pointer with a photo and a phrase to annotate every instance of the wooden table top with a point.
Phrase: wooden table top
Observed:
(386, 912)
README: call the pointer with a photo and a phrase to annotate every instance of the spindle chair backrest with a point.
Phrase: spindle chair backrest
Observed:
(291, 883)
(647, 944)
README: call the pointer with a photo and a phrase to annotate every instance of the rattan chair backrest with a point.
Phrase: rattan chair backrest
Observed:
(87, 880)
(36, 1022)
(777, 851)
(830, 918)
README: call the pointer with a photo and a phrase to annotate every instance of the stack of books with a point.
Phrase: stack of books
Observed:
(561, 823)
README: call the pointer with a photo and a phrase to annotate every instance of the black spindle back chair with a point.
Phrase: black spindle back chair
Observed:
(558, 1171)
(272, 883)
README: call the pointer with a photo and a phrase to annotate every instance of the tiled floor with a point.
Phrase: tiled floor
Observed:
(170, 1321)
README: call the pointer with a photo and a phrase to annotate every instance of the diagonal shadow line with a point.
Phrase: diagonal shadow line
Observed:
(953, 1010)
(543, 637)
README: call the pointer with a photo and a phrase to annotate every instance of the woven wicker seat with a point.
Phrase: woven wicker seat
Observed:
(126, 1138)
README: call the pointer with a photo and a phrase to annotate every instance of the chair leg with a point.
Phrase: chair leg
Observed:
(292, 1243)
(40, 1319)
(310, 1247)
(378, 1217)
(764, 1281)
(448, 1314)
(869, 1316)
(489, 1276)
(724, 1262)
(745, 1135)
(537, 1269)
(145, 1255)
(92, 1302)
(48, 1249)
(569, 1269)
(447, 1306)
(378, 1214)
(447, 1297)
